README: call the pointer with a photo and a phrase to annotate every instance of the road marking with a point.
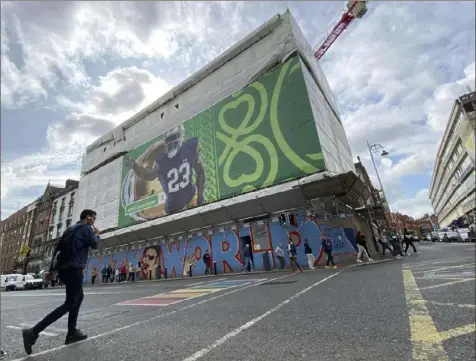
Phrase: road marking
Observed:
(458, 331)
(184, 294)
(447, 283)
(43, 333)
(204, 351)
(426, 341)
(449, 267)
(424, 264)
(61, 330)
(110, 332)
(62, 294)
(451, 304)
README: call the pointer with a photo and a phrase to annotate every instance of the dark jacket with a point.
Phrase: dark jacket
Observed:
(83, 238)
(206, 258)
(327, 246)
(360, 239)
(307, 248)
(247, 252)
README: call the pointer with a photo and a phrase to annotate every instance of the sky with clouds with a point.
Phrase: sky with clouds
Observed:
(71, 71)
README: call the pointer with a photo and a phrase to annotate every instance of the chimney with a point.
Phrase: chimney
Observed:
(71, 183)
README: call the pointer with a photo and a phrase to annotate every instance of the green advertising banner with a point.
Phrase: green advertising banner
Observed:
(262, 135)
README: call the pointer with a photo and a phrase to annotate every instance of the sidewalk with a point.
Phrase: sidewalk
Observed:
(237, 274)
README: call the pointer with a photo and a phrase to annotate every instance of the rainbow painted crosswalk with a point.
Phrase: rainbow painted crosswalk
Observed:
(199, 290)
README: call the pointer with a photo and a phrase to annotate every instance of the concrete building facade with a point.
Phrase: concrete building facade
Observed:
(452, 190)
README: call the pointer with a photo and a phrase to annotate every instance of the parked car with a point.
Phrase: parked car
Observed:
(31, 282)
(14, 282)
(451, 236)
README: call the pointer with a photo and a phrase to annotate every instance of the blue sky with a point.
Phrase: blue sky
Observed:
(73, 70)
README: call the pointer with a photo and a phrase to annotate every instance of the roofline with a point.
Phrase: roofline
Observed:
(252, 38)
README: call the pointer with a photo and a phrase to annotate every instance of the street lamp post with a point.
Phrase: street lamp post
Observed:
(372, 150)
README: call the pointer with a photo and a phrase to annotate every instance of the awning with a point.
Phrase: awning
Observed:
(296, 194)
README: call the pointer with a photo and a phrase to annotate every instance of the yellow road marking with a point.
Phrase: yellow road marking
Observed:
(458, 331)
(447, 283)
(426, 341)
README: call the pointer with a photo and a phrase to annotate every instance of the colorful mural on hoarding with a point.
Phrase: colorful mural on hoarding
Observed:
(262, 135)
(225, 249)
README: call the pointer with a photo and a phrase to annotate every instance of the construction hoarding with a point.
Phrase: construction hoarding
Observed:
(260, 136)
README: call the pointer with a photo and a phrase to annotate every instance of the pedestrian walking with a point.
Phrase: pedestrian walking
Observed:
(123, 273)
(310, 256)
(408, 239)
(361, 246)
(109, 274)
(104, 274)
(280, 255)
(132, 273)
(292, 253)
(94, 275)
(206, 260)
(384, 242)
(327, 247)
(116, 275)
(247, 258)
(70, 257)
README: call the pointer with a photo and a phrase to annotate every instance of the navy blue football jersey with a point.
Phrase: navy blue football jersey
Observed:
(175, 175)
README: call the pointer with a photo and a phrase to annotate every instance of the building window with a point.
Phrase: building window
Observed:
(58, 231)
(68, 223)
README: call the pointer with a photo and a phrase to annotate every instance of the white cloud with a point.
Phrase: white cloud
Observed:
(395, 82)
(415, 207)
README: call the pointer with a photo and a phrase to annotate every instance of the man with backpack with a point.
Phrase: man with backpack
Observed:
(70, 257)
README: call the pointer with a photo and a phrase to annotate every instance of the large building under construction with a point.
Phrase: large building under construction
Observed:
(250, 149)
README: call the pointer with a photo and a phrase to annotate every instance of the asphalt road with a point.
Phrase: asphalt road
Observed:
(417, 308)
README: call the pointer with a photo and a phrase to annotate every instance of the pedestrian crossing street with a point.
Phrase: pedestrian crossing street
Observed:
(199, 290)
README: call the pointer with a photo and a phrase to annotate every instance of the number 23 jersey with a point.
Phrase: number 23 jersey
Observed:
(175, 175)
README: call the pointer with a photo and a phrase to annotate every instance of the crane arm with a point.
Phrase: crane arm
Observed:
(355, 9)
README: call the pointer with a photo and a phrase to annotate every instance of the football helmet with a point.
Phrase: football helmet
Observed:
(174, 140)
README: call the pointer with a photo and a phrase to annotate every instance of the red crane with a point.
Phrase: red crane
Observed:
(355, 10)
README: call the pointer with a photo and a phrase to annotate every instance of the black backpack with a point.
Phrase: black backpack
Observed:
(63, 253)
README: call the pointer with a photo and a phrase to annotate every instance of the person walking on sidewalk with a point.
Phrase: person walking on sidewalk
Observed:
(327, 247)
(384, 242)
(280, 255)
(104, 274)
(206, 260)
(292, 253)
(94, 276)
(408, 239)
(308, 252)
(361, 246)
(70, 257)
(247, 258)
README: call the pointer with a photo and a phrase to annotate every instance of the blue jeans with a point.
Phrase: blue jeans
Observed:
(247, 264)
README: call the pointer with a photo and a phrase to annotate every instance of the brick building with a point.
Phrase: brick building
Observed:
(12, 236)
